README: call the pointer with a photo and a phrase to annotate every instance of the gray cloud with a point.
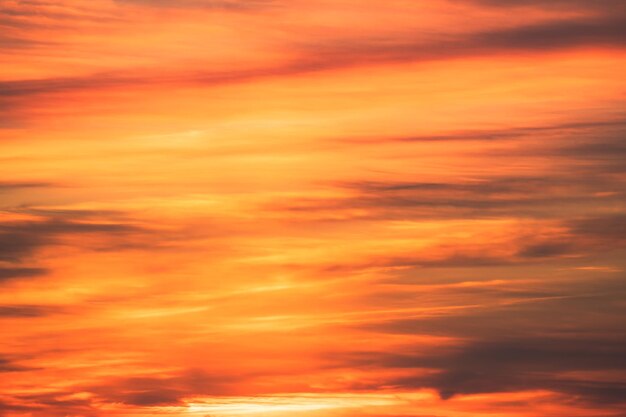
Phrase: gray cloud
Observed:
(588, 160)
(238, 5)
(12, 273)
(594, 31)
(515, 364)
(15, 245)
(49, 405)
(605, 6)
(611, 227)
(9, 365)
(147, 391)
(137, 391)
(6, 186)
(547, 249)
(524, 196)
(608, 31)
(575, 326)
(19, 239)
(21, 88)
(616, 125)
(26, 311)
(10, 43)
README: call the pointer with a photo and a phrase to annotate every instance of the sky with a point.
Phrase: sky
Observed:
(312, 208)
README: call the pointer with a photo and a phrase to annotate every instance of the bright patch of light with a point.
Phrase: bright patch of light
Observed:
(278, 404)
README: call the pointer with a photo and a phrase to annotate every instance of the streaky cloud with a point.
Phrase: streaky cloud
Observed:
(26, 311)
(8, 274)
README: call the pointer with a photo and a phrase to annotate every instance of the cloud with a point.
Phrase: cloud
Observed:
(555, 342)
(605, 6)
(547, 249)
(238, 5)
(9, 273)
(21, 88)
(13, 43)
(523, 196)
(616, 124)
(26, 311)
(15, 245)
(587, 160)
(315, 56)
(576, 240)
(530, 334)
(602, 31)
(51, 404)
(517, 364)
(6, 186)
(22, 238)
(18, 239)
(602, 233)
(596, 31)
(140, 392)
(557, 307)
(455, 260)
(149, 391)
(612, 227)
(8, 365)
(25, 16)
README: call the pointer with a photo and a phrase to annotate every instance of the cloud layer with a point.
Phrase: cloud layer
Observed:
(312, 208)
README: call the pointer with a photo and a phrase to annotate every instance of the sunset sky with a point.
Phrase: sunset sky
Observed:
(312, 208)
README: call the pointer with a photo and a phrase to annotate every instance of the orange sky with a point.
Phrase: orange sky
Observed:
(312, 208)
